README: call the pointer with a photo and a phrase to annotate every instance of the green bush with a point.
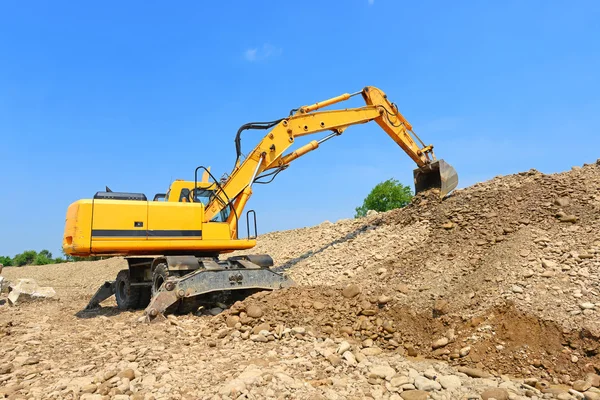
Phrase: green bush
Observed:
(385, 196)
(25, 258)
(6, 261)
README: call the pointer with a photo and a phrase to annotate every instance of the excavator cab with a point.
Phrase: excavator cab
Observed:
(438, 174)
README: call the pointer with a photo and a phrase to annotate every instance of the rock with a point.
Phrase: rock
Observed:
(528, 273)
(254, 311)
(343, 347)
(383, 299)
(594, 379)
(568, 218)
(581, 386)
(259, 338)
(414, 395)
(427, 385)
(388, 327)
(127, 373)
(562, 201)
(299, 330)
(440, 307)
(403, 288)
(448, 225)
(261, 327)
(494, 393)
(233, 387)
(91, 388)
(587, 306)
(549, 264)
(371, 213)
(382, 371)
(371, 351)
(215, 311)
(591, 396)
(350, 291)
(464, 351)
(440, 343)
(473, 372)
(411, 351)
(334, 359)
(450, 382)
(400, 380)
(317, 305)
(27, 289)
(347, 330)
(516, 289)
(232, 320)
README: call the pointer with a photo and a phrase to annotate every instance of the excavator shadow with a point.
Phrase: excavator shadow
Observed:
(355, 233)
(99, 312)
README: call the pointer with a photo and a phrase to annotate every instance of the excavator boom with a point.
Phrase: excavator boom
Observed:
(308, 120)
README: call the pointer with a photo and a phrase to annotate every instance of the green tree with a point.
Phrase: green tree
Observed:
(25, 258)
(44, 257)
(385, 196)
(6, 261)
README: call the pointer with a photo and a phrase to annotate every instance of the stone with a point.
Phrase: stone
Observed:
(448, 225)
(347, 330)
(299, 330)
(549, 264)
(233, 387)
(440, 343)
(473, 372)
(440, 307)
(334, 359)
(403, 288)
(414, 395)
(400, 380)
(382, 371)
(411, 351)
(464, 351)
(383, 299)
(127, 373)
(516, 289)
(587, 306)
(27, 290)
(594, 379)
(562, 201)
(254, 311)
(581, 386)
(350, 291)
(494, 393)
(317, 305)
(232, 321)
(427, 385)
(591, 396)
(371, 351)
(259, 338)
(568, 218)
(450, 382)
(343, 347)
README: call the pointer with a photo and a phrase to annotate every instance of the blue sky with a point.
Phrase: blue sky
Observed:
(134, 94)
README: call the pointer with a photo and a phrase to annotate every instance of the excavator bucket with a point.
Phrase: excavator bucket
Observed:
(439, 174)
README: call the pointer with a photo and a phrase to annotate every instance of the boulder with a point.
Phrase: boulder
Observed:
(27, 290)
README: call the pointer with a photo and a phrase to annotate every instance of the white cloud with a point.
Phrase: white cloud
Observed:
(264, 52)
(371, 2)
(251, 54)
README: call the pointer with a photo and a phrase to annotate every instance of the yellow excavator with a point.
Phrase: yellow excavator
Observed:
(173, 243)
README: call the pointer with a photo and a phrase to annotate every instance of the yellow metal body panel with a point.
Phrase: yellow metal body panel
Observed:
(127, 227)
(78, 228)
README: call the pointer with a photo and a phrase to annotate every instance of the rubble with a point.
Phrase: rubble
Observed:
(486, 294)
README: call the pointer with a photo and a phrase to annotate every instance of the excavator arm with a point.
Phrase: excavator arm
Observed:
(308, 120)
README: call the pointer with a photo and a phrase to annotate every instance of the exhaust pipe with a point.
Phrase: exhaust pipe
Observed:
(437, 175)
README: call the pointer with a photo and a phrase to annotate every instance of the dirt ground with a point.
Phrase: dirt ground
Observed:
(495, 288)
